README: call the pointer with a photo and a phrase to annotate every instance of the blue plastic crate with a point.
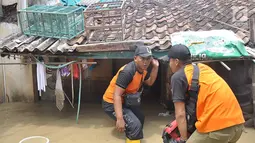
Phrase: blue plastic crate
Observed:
(64, 22)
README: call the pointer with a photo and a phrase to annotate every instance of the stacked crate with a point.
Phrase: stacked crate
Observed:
(105, 19)
(63, 22)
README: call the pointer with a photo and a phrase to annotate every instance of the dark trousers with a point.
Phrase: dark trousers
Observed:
(133, 118)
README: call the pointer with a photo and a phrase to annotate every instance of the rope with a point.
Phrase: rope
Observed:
(54, 67)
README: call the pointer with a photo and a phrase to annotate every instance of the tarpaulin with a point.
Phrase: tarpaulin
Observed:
(214, 44)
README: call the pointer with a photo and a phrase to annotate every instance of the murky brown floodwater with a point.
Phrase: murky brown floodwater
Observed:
(21, 120)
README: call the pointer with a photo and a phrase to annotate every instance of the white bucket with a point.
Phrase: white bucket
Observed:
(35, 139)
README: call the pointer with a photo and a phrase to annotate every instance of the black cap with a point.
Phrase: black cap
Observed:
(178, 51)
(143, 51)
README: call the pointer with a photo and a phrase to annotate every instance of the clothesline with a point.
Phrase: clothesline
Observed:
(49, 63)
(59, 92)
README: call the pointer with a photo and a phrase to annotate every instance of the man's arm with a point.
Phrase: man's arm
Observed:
(124, 78)
(120, 124)
(117, 101)
(179, 85)
(180, 115)
(153, 74)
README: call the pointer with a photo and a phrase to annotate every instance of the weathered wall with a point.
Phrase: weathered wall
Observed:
(9, 2)
(30, 2)
(253, 91)
(19, 77)
(7, 29)
(19, 81)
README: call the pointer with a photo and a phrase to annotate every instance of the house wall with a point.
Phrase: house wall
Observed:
(253, 91)
(18, 78)
(18, 83)
(9, 2)
(30, 2)
(7, 29)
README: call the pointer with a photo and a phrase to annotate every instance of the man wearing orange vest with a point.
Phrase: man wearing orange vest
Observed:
(121, 100)
(218, 116)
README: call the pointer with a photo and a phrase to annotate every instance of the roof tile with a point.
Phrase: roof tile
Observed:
(161, 29)
(151, 28)
(149, 35)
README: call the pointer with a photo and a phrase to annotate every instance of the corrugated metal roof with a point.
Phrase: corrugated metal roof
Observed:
(27, 44)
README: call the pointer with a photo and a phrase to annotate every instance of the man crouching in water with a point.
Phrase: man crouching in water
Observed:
(121, 100)
(219, 118)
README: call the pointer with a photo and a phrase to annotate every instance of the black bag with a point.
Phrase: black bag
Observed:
(191, 101)
(132, 100)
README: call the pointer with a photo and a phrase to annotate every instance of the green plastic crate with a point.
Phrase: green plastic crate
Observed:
(63, 22)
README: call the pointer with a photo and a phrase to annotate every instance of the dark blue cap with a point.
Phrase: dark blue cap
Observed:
(143, 51)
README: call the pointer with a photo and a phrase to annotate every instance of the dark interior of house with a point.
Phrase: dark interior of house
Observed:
(96, 81)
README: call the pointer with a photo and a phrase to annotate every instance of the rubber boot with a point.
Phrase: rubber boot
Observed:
(133, 141)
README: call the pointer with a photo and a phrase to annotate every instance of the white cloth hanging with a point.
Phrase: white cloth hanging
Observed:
(60, 97)
(84, 66)
(41, 77)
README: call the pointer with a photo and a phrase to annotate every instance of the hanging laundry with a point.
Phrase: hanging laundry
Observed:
(60, 97)
(41, 77)
(75, 71)
(91, 66)
(65, 71)
(84, 66)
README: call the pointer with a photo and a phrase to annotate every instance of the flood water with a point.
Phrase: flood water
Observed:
(21, 120)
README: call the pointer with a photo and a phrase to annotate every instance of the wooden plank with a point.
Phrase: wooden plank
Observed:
(252, 38)
(106, 47)
(103, 26)
(101, 10)
(252, 29)
(105, 17)
(34, 74)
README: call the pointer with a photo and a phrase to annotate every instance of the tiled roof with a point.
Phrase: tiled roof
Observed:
(154, 21)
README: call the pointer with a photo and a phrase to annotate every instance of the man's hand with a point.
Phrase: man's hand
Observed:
(155, 63)
(180, 115)
(179, 140)
(154, 73)
(120, 125)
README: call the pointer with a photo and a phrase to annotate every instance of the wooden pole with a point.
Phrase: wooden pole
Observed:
(1, 10)
(4, 81)
(252, 39)
(72, 84)
(21, 5)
